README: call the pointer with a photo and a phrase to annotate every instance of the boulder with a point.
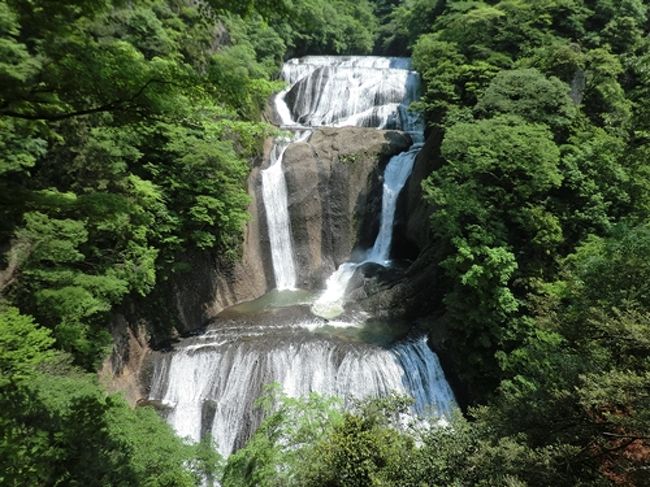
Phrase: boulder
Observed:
(334, 183)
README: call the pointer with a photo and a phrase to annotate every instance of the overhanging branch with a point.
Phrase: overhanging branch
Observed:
(107, 107)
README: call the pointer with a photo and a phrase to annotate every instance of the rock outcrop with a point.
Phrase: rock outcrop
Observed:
(415, 287)
(334, 182)
(121, 372)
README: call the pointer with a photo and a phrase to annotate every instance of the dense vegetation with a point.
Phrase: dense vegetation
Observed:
(126, 134)
(541, 206)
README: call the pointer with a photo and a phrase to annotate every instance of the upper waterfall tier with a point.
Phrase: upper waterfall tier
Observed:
(363, 91)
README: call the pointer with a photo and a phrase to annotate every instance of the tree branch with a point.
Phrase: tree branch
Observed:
(16, 255)
(107, 107)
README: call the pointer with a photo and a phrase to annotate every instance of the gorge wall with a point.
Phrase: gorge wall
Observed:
(334, 182)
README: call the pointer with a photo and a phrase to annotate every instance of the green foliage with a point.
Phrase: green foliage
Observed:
(530, 95)
(605, 100)
(365, 449)
(58, 427)
(585, 368)
(334, 26)
(276, 454)
(20, 145)
(310, 442)
(493, 192)
(126, 139)
(539, 210)
(24, 346)
(596, 183)
(403, 22)
(126, 134)
(362, 449)
(544, 165)
(613, 272)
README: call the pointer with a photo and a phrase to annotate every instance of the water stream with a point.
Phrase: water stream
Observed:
(274, 193)
(213, 381)
(401, 82)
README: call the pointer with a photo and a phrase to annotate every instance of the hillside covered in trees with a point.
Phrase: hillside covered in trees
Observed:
(127, 132)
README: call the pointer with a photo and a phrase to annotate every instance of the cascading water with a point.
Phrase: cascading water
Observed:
(338, 91)
(331, 301)
(213, 381)
(395, 176)
(209, 383)
(274, 193)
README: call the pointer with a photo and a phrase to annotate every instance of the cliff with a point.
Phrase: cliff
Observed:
(334, 181)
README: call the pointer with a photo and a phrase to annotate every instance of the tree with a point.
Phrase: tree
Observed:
(530, 95)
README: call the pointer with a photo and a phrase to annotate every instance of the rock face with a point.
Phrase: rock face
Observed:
(415, 288)
(334, 183)
(121, 371)
(209, 284)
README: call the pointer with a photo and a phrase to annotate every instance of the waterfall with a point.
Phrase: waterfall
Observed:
(395, 176)
(274, 193)
(343, 91)
(381, 90)
(364, 91)
(210, 384)
(331, 301)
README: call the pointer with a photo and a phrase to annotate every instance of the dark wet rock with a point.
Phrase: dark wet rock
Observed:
(412, 229)
(334, 182)
(417, 292)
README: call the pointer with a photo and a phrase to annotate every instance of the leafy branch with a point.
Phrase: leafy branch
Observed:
(106, 107)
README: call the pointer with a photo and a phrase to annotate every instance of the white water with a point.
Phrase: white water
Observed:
(274, 193)
(395, 176)
(211, 384)
(337, 91)
(365, 91)
(330, 303)
(396, 88)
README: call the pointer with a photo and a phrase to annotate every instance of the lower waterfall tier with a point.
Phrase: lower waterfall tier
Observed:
(210, 383)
